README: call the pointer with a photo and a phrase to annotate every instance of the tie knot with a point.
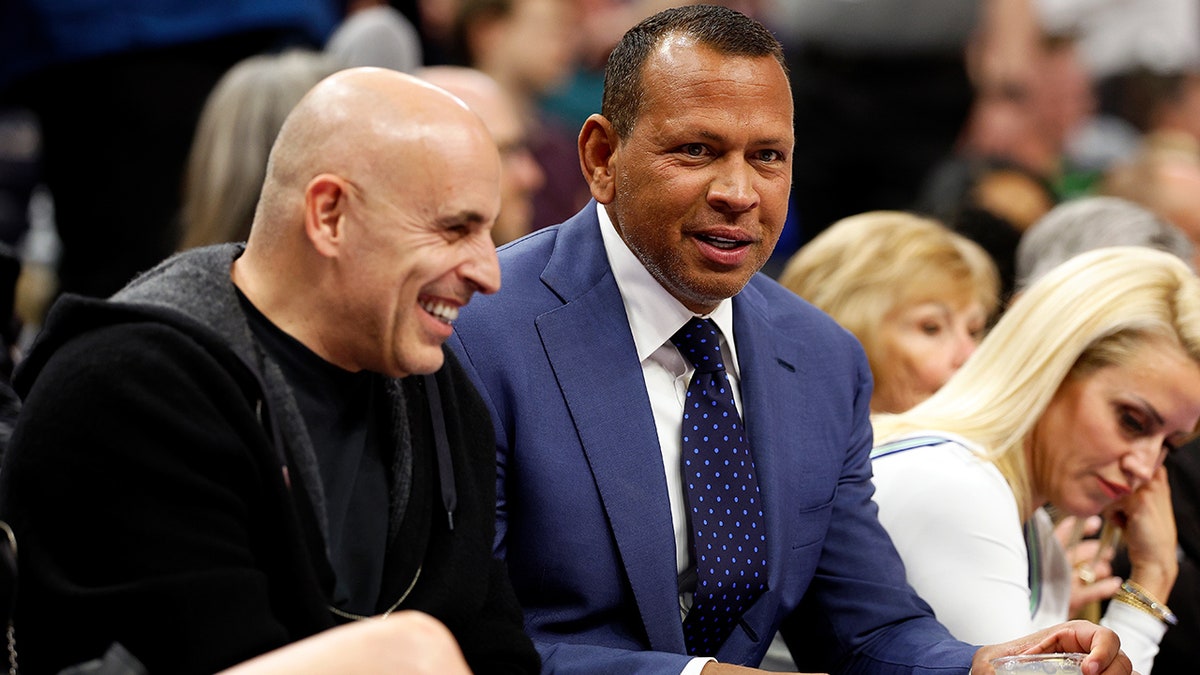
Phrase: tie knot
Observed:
(699, 342)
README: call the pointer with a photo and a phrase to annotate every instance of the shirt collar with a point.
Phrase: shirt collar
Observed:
(653, 313)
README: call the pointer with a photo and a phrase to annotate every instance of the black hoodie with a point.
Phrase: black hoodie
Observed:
(164, 493)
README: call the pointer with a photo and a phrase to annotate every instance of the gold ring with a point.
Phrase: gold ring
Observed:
(1085, 574)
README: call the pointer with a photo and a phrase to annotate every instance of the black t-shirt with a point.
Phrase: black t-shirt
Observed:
(342, 412)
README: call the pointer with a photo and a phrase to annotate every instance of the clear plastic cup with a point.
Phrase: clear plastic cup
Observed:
(1040, 664)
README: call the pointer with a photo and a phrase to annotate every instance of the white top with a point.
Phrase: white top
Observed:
(956, 524)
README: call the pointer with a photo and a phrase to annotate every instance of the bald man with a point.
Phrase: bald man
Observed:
(251, 445)
(521, 175)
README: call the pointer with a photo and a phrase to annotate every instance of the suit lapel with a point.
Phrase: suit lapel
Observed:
(773, 387)
(590, 348)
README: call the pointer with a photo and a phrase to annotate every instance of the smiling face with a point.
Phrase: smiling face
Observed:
(1106, 432)
(921, 344)
(699, 189)
(374, 225)
(418, 245)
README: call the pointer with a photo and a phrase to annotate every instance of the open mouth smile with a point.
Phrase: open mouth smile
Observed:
(444, 312)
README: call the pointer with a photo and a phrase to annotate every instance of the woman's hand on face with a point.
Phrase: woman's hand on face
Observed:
(1149, 522)
(1092, 579)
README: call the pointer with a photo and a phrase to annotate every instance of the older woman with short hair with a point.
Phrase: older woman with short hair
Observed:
(915, 294)
(1091, 222)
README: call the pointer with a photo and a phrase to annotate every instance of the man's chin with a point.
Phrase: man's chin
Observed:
(428, 362)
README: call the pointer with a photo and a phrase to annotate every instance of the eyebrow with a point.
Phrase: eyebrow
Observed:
(461, 218)
(937, 305)
(1151, 410)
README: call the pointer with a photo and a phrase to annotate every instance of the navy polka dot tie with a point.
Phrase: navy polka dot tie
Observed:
(728, 536)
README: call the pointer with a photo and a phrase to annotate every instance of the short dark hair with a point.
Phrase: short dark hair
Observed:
(719, 28)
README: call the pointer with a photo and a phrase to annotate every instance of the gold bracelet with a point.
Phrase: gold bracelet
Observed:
(1134, 595)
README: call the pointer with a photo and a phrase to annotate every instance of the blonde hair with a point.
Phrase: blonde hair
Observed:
(1090, 312)
(234, 135)
(863, 267)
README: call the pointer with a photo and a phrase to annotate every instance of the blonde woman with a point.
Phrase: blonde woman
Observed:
(1073, 400)
(916, 295)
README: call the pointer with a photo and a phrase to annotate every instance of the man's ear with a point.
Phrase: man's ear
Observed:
(597, 150)
(324, 213)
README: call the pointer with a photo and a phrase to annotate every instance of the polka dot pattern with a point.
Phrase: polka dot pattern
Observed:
(728, 532)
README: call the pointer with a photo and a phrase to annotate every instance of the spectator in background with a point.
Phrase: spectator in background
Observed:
(520, 174)
(1165, 181)
(1163, 173)
(118, 88)
(1072, 228)
(375, 34)
(1122, 44)
(20, 171)
(881, 97)
(529, 47)
(237, 127)
(1086, 223)
(1166, 109)
(916, 295)
(1073, 400)
(434, 20)
(1009, 168)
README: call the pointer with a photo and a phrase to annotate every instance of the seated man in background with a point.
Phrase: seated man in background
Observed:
(521, 175)
(249, 445)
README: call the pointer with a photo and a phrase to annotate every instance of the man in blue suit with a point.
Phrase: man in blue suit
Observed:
(689, 165)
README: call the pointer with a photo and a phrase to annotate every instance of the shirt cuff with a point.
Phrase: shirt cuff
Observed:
(696, 665)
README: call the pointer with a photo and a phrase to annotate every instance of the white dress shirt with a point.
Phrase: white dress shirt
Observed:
(654, 316)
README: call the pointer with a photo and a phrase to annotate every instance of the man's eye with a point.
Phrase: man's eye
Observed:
(769, 155)
(693, 150)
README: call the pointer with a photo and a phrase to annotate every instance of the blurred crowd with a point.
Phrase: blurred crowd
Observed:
(947, 153)
(131, 130)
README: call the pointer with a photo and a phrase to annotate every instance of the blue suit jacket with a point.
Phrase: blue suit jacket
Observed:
(583, 515)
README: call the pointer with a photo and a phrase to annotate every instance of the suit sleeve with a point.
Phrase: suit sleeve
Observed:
(128, 482)
(859, 614)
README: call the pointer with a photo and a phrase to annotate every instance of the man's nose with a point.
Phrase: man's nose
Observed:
(482, 269)
(733, 189)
